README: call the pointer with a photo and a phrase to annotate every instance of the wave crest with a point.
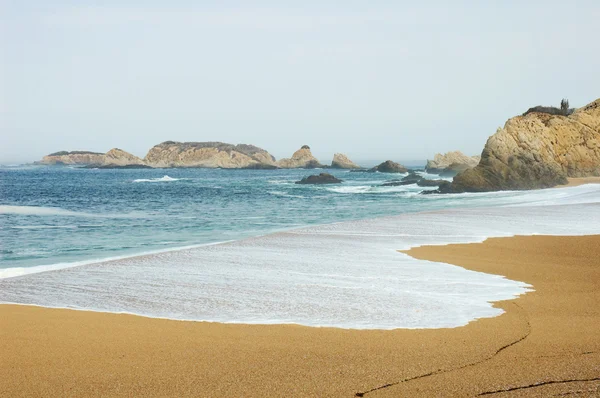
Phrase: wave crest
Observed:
(161, 179)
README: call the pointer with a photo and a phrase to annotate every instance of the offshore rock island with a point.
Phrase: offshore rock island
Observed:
(171, 154)
(207, 154)
(539, 149)
(115, 157)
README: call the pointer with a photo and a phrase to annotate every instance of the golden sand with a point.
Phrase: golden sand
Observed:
(546, 344)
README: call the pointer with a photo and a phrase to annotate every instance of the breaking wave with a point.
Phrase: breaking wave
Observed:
(161, 179)
(41, 211)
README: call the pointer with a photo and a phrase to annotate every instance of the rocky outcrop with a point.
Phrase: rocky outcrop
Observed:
(390, 167)
(113, 166)
(443, 162)
(413, 178)
(341, 161)
(431, 183)
(301, 159)
(209, 155)
(537, 150)
(454, 169)
(114, 157)
(118, 157)
(323, 178)
(76, 158)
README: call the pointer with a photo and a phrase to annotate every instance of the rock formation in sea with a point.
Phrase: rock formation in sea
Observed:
(456, 159)
(301, 159)
(537, 150)
(323, 178)
(454, 169)
(209, 155)
(390, 167)
(341, 161)
(72, 158)
(118, 157)
(115, 157)
(413, 178)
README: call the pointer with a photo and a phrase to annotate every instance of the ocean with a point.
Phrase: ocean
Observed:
(251, 246)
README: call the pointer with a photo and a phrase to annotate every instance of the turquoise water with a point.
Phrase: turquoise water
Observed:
(52, 215)
(61, 214)
(71, 238)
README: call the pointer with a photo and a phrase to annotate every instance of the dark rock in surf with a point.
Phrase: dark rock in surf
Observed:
(390, 167)
(443, 187)
(323, 178)
(117, 166)
(430, 183)
(260, 166)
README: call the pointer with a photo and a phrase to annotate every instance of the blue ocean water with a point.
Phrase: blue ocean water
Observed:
(312, 255)
(52, 215)
(61, 214)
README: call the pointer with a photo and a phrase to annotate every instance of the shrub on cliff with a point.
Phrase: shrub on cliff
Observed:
(564, 106)
(564, 109)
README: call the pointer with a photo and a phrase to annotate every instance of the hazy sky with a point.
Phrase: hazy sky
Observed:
(372, 79)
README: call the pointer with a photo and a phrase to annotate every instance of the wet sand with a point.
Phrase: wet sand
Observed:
(575, 182)
(546, 344)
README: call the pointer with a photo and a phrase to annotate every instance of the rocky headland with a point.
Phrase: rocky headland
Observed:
(536, 150)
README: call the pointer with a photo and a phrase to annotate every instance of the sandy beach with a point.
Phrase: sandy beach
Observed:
(575, 182)
(547, 343)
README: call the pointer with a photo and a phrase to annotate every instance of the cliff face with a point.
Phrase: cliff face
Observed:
(302, 158)
(341, 161)
(207, 154)
(114, 157)
(537, 150)
(441, 162)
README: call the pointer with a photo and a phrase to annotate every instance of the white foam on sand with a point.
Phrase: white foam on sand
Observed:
(21, 271)
(347, 274)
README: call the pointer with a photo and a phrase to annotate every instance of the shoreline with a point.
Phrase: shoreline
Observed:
(18, 271)
(575, 182)
(65, 352)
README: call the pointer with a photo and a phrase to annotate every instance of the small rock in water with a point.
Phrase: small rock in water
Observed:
(323, 178)
(390, 167)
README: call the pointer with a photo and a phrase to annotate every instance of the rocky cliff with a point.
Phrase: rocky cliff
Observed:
(537, 150)
(341, 161)
(208, 154)
(114, 157)
(441, 162)
(301, 159)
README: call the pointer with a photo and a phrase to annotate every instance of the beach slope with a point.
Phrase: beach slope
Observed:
(547, 343)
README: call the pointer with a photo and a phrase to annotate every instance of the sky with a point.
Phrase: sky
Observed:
(371, 79)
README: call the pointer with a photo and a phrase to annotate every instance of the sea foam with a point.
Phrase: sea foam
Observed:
(39, 211)
(161, 179)
(347, 274)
